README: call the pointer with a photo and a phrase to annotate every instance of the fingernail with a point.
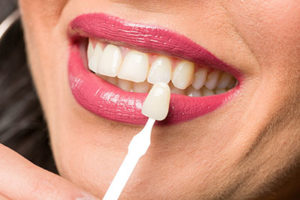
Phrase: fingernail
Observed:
(87, 197)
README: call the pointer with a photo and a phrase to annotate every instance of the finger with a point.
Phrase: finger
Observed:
(3, 197)
(22, 180)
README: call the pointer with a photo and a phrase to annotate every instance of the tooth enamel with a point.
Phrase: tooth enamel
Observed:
(130, 73)
(200, 78)
(90, 54)
(93, 55)
(141, 87)
(207, 92)
(135, 67)
(156, 105)
(175, 90)
(220, 91)
(224, 80)
(103, 77)
(125, 85)
(183, 74)
(160, 71)
(112, 80)
(192, 92)
(110, 61)
(212, 79)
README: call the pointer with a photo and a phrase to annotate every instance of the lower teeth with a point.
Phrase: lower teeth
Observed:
(135, 71)
(144, 87)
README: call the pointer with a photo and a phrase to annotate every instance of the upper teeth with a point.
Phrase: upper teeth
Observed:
(109, 61)
(137, 70)
(134, 67)
(160, 70)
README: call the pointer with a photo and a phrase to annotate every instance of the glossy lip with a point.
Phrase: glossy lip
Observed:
(109, 101)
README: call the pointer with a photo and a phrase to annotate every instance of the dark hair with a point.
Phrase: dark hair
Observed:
(22, 126)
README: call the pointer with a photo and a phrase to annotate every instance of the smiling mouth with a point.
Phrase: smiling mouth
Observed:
(113, 64)
(136, 71)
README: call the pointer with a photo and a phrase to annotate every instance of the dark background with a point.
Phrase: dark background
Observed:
(22, 124)
(6, 7)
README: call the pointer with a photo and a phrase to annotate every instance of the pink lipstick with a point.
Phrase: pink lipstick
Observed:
(109, 101)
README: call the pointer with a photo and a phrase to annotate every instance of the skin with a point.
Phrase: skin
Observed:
(247, 149)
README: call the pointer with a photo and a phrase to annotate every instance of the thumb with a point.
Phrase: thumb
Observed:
(22, 180)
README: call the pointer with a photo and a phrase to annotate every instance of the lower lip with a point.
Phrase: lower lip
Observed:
(109, 101)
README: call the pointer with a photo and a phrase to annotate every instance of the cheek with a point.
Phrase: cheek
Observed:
(39, 18)
(46, 49)
(271, 31)
(270, 28)
(46, 12)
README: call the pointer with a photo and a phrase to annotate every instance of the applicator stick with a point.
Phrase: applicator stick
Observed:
(156, 107)
(136, 149)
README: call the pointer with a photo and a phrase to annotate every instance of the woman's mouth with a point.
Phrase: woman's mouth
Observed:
(113, 64)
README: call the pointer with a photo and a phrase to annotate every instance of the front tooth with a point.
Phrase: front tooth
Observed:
(156, 105)
(183, 74)
(192, 92)
(212, 80)
(207, 92)
(94, 55)
(224, 80)
(200, 78)
(134, 67)
(125, 85)
(160, 71)
(141, 87)
(110, 61)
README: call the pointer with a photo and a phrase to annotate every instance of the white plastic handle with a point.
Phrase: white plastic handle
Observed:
(136, 149)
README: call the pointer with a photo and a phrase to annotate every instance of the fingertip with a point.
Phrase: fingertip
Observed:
(86, 196)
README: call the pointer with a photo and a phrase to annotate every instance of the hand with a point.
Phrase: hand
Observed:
(22, 180)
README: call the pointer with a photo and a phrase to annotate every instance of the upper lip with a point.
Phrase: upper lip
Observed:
(148, 38)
